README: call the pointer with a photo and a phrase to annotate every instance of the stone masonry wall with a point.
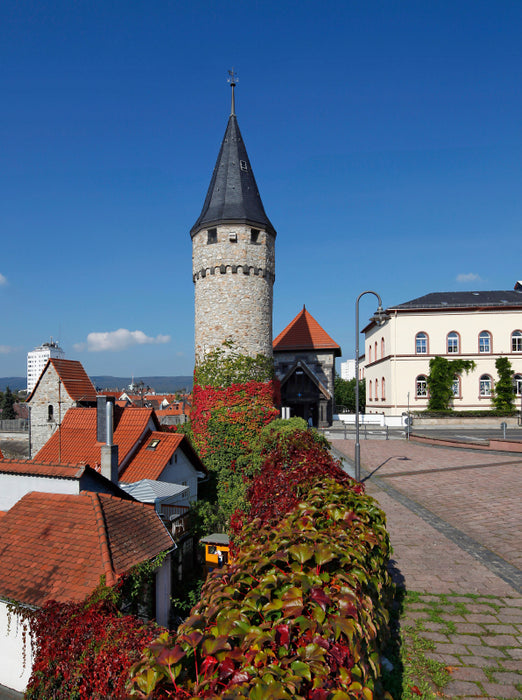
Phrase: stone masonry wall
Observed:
(233, 280)
(49, 392)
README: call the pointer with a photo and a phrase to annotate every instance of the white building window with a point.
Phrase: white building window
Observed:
(485, 342)
(516, 341)
(453, 342)
(518, 384)
(455, 387)
(421, 386)
(485, 385)
(421, 344)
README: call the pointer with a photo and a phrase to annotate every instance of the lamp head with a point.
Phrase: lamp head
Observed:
(380, 316)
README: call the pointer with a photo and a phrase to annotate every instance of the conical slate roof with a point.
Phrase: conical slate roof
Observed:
(233, 196)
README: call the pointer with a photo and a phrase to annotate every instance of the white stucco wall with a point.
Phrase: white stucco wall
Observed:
(13, 487)
(180, 471)
(163, 592)
(12, 672)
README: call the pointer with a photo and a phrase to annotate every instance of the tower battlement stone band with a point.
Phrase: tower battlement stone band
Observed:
(233, 257)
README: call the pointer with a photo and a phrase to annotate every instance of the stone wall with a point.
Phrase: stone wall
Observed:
(233, 279)
(49, 404)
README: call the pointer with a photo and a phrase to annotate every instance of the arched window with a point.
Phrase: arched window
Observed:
(518, 384)
(370, 392)
(421, 386)
(485, 342)
(421, 344)
(382, 348)
(455, 387)
(50, 412)
(485, 385)
(375, 351)
(516, 341)
(376, 389)
(453, 342)
(369, 353)
(383, 389)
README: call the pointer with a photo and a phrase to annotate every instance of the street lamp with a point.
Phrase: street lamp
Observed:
(379, 317)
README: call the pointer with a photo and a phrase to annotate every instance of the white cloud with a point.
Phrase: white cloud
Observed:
(468, 277)
(6, 349)
(3, 280)
(119, 340)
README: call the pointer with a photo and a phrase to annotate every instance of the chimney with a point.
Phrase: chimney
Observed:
(104, 433)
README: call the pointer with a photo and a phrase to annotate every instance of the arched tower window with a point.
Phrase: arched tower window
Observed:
(50, 412)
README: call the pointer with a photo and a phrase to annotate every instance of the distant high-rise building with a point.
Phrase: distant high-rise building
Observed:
(37, 359)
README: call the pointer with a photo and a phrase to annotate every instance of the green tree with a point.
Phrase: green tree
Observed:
(344, 393)
(440, 381)
(503, 395)
(7, 405)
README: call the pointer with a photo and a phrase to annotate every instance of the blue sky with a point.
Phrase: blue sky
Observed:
(385, 138)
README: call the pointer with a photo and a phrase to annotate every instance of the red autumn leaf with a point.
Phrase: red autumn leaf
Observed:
(283, 635)
(208, 664)
(415, 690)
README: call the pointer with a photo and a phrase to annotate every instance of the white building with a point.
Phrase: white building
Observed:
(37, 359)
(348, 370)
(478, 326)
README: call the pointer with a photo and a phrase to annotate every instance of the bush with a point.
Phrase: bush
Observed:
(301, 611)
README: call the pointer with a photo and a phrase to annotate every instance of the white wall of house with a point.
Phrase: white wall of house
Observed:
(180, 471)
(13, 673)
(13, 487)
(163, 592)
(400, 365)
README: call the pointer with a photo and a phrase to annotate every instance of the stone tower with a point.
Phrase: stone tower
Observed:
(233, 256)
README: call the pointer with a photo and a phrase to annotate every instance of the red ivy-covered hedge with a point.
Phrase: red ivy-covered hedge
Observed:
(84, 651)
(226, 421)
(301, 611)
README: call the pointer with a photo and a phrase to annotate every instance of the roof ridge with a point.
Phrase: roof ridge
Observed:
(101, 525)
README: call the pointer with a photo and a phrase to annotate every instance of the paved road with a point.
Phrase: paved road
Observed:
(455, 524)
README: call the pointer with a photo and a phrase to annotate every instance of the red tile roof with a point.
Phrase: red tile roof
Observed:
(304, 333)
(149, 463)
(76, 441)
(55, 546)
(74, 379)
(30, 468)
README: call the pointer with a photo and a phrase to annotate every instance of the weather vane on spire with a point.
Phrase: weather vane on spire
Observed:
(233, 80)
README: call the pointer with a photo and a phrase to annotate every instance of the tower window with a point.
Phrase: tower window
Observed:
(243, 165)
(50, 412)
(212, 235)
(232, 237)
(254, 235)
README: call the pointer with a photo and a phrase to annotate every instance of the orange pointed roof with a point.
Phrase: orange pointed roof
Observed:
(76, 442)
(155, 452)
(74, 379)
(84, 536)
(304, 333)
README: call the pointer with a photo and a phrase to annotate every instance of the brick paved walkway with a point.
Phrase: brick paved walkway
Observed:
(455, 523)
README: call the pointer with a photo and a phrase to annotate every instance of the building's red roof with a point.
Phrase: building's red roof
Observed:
(55, 546)
(148, 463)
(74, 379)
(76, 441)
(304, 333)
(30, 468)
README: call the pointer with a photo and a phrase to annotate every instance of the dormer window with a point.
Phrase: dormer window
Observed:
(243, 165)
(153, 444)
(212, 235)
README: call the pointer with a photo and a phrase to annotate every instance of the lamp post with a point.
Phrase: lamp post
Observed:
(380, 317)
